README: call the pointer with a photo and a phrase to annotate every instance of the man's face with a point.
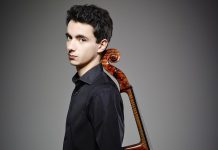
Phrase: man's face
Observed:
(81, 45)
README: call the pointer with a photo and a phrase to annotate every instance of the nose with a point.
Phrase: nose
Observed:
(71, 45)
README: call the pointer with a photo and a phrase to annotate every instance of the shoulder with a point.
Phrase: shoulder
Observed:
(104, 83)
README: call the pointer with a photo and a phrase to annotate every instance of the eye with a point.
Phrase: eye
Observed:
(82, 39)
(68, 37)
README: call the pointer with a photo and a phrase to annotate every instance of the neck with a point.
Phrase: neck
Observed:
(86, 67)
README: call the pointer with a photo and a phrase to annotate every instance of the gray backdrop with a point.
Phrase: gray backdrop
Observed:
(168, 51)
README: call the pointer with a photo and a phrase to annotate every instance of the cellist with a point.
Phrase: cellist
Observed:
(95, 119)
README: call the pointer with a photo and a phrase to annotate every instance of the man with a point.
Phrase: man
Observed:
(95, 119)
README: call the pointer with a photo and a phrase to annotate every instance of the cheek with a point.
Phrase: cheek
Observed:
(67, 45)
(91, 48)
(89, 53)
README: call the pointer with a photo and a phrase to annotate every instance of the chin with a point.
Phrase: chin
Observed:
(76, 64)
(73, 63)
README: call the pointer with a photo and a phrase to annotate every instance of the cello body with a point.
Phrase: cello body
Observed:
(111, 56)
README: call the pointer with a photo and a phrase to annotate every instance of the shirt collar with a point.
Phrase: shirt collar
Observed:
(89, 76)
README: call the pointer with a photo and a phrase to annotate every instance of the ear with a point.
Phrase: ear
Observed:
(102, 45)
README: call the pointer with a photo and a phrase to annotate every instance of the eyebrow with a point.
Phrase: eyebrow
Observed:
(81, 36)
(77, 36)
(68, 35)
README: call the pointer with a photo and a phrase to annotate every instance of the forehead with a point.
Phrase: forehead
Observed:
(77, 28)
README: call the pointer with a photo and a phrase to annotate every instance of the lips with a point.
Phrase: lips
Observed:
(71, 56)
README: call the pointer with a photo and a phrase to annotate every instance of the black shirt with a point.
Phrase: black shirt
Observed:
(95, 119)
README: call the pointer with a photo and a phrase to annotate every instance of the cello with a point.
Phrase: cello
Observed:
(112, 55)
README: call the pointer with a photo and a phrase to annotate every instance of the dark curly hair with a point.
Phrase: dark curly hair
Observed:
(95, 16)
